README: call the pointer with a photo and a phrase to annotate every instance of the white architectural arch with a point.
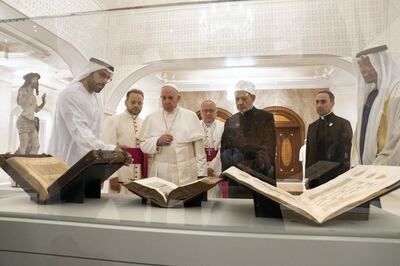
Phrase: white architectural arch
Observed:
(141, 71)
(38, 37)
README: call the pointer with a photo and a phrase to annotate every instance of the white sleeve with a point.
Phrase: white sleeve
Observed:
(200, 157)
(109, 135)
(149, 145)
(109, 132)
(390, 155)
(76, 122)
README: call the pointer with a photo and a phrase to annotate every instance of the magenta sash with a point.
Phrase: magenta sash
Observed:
(138, 157)
(211, 153)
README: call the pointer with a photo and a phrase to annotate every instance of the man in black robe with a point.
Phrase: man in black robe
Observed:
(249, 139)
(328, 139)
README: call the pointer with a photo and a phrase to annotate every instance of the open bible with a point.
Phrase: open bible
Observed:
(167, 194)
(347, 191)
(46, 178)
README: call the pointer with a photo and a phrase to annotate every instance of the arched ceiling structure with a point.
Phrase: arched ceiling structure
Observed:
(277, 61)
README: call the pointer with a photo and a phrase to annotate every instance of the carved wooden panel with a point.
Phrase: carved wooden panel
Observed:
(289, 138)
(286, 151)
(280, 118)
(287, 164)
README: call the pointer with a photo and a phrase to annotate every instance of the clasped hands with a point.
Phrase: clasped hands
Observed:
(262, 159)
(165, 140)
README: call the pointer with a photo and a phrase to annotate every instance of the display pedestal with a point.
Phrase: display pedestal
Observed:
(76, 193)
(264, 207)
(116, 231)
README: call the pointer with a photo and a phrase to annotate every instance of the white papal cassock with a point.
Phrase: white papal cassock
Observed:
(77, 124)
(123, 129)
(183, 160)
(212, 141)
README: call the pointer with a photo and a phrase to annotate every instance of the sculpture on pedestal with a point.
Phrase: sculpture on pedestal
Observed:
(27, 122)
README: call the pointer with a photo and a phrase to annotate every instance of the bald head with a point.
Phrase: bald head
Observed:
(169, 98)
(209, 103)
(208, 111)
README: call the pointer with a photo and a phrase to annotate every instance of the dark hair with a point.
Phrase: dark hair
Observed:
(30, 76)
(330, 94)
(134, 91)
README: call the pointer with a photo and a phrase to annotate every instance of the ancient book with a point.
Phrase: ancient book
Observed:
(347, 191)
(167, 194)
(46, 178)
(40, 172)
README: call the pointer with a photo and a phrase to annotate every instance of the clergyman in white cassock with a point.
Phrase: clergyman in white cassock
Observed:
(79, 114)
(213, 130)
(174, 138)
(123, 129)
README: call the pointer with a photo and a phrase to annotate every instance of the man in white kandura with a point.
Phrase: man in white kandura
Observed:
(377, 137)
(213, 130)
(174, 137)
(79, 114)
(123, 129)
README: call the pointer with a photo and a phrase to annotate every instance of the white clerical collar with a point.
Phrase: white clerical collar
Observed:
(323, 117)
(130, 115)
(208, 125)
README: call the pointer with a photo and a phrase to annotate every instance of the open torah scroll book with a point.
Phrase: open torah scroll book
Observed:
(46, 178)
(167, 194)
(347, 191)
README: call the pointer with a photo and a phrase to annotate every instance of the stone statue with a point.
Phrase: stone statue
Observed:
(27, 123)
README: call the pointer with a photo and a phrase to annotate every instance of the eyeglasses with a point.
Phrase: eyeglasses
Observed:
(208, 110)
(105, 76)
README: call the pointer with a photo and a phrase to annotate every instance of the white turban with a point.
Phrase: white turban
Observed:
(246, 86)
(93, 65)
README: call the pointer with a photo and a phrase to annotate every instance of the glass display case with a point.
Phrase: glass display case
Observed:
(289, 54)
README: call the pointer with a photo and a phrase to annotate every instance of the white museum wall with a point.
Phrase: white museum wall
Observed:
(343, 86)
(249, 29)
(5, 108)
(86, 33)
(5, 105)
(151, 87)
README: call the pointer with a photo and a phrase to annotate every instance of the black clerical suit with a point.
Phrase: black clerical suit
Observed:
(250, 138)
(329, 139)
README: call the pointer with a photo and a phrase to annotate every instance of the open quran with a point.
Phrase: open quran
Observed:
(167, 194)
(347, 191)
(46, 178)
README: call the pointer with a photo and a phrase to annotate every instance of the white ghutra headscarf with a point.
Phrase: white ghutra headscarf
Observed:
(93, 65)
(388, 76)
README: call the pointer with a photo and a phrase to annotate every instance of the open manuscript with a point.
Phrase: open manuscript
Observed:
(347, 191)
(47, 178)
(167, 194)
